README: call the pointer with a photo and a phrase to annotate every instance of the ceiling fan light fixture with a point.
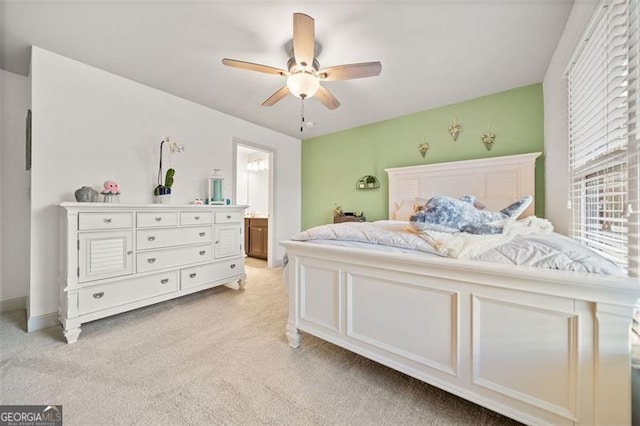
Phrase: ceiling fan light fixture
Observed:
(303, 84)
(303, 69)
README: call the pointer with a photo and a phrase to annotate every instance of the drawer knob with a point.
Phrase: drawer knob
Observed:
(228, 216)
(158, 219)
(151, 238)
(217, 241)
(196, 217)
(201, 234)
(151, 259)
(107, 220)
(98, 295)
(192, 275)
(203, 252)
(233, 265)
(129, 253)
(164, 280)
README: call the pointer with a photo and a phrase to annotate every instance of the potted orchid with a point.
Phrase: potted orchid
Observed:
(163, 190)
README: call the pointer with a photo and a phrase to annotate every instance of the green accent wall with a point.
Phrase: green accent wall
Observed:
(332, 164)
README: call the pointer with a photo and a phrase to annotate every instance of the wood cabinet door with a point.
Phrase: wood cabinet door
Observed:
(247, 222)
(258, 239)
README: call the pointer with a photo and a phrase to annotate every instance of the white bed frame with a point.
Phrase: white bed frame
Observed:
(539, 346)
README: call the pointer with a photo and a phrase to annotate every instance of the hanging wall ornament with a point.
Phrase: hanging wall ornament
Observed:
(488, 139)
(423, 147)
(455, 129)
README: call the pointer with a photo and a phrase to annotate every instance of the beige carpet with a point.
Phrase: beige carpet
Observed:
(216, 357)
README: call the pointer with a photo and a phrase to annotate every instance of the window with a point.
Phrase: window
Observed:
(603, 137)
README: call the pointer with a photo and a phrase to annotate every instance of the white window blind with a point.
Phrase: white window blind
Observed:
(602, 160)
(634, 139)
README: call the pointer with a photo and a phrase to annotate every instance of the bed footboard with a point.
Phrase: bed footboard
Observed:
(539, 347)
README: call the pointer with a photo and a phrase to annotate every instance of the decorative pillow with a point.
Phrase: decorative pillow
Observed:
(404, 210)
(447, 214)
(421, 202)
(514, 210)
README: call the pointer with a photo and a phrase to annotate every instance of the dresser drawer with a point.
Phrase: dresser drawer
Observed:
(89, 221)
(158, 259)
(198, 275)
(167, 237)
(106, 296)
(156, 219)
(196, 218)
(228, 217)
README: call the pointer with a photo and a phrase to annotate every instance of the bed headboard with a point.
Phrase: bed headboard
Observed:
(496, 181)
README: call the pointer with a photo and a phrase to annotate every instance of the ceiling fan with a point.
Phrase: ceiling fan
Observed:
(303, 69)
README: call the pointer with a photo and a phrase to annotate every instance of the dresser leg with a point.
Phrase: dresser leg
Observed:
(72, 334)
(293, 335)
(242, 282)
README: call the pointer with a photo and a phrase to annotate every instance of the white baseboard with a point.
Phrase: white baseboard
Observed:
(19, 303)
(42, 321)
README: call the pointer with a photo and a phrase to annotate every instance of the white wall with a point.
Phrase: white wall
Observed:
(258, 185)
(2, 149)
(14, 187)
(556, 139)
(90, 126)
(252, 187)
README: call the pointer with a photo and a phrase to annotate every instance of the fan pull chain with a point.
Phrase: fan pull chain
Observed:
(301, 115)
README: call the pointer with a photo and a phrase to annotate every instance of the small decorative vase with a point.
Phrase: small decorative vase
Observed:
(164, 195)
(86, 194)
(111, 198)
(162, 199)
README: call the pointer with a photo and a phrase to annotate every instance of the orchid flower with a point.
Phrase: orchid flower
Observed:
(174, 146)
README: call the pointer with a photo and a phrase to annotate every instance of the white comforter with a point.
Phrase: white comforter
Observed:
(385, 233)
(529, 242)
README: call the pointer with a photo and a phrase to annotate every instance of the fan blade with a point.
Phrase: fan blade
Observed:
(281, 93)
(326, 98)
(254, 67)
(350, 71)
(303, 39)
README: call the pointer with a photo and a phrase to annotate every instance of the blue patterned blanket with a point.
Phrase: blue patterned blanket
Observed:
(448, 214)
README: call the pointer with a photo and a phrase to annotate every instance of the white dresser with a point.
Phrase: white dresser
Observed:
(118, 257)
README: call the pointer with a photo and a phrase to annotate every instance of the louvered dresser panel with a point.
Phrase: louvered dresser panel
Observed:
(104, 254)
(228, 241)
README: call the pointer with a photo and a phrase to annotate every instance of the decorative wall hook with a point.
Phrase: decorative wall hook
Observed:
(423, 148)
(488, 139)
(455, 129)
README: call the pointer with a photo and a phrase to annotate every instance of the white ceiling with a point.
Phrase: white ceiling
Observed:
(433, 53)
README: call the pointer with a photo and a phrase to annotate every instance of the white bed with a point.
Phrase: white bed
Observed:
(540, 346)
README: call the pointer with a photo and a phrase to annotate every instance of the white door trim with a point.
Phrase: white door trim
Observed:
(272, 153)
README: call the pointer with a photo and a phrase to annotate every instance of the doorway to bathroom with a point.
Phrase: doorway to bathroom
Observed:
(254, 187)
